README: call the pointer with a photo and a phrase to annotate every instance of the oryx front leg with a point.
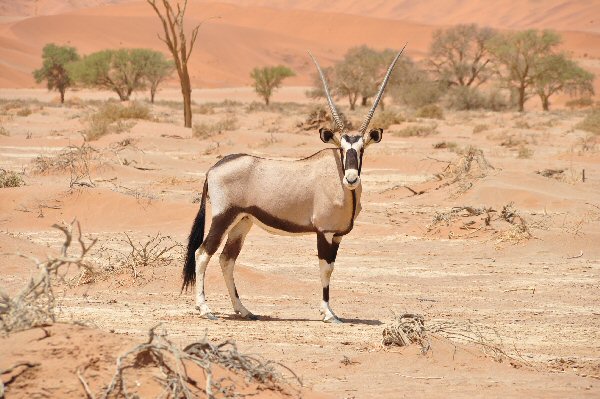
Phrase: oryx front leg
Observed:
(231, 251)
(327, 245)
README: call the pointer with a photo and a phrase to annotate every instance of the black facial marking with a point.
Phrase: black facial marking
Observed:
(326, 294)
(351, 159)
(352, 139)
(362, 151)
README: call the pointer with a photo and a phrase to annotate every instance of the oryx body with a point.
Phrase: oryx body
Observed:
(316, 195)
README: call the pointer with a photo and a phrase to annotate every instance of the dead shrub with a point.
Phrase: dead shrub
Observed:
(204, 109)
(35, 304)
(591, 123)
(417, 131)
(24, 112)
(524, 152)
(470, 165)
(136, 263)
(8, 178)
(179, 370)
(431, 111)
(76, 160)
(450, 145)
(4, 131)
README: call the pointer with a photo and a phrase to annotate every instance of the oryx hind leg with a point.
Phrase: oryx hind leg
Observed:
(220, 226)
(231, 251)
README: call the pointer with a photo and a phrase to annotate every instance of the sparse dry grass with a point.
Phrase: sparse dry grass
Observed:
(417, 130)
(431, 111)
(111, 117)
(524, 152)
(591, 123)
(480, 128)
(205, 129)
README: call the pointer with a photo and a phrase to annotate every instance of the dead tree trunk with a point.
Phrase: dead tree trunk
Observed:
(179, 46)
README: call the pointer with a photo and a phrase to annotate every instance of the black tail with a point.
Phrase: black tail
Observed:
(195, 240)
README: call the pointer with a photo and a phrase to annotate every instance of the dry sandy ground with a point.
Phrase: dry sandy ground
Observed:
(535, 298)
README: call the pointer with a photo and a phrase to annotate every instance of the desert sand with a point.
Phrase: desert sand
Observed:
(529, 289)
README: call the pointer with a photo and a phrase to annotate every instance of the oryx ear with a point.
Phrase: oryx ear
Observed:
(327, 136)
(374, 136)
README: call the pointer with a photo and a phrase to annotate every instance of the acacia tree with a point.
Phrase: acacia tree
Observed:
(157, 70)
(54, 68)
(356, 75)
(267, 79)
(121, 71)
(179, 46)
(517, 55)
(556, 73)
(460, 56)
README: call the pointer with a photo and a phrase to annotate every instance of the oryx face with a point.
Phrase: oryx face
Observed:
(352, 148)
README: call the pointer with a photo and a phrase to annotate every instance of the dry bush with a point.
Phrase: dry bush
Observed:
(35, 304)
(384, 119)
(417, 131)
(76, 160)
(480, 128)
(583, 102)
(176, 371)
(4, 131)
(8, 178)
(110, 118)
(431, 111)
(524, 152)
(138, 262)
(204, 130)
(470, 165)
(591, 123)
(450, 145)
(522, 124)
(319, 116)
(204, 109)
(24, 112)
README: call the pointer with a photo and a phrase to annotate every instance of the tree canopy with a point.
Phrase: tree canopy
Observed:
(54, 70)
(267, 79)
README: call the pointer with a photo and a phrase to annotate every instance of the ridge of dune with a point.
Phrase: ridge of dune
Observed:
(243, 36)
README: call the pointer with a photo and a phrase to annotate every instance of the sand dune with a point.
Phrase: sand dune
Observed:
(257, 33)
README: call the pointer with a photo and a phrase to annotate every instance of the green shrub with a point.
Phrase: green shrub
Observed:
(10, 179)
(419, 94)
(431, 111)
(417, 131)
(385, 119)
(464, 98)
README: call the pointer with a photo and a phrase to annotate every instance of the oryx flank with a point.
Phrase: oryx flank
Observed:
(319, 195)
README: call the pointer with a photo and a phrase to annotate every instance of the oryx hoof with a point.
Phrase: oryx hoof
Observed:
(247, 315)
(332, 320)
(206, 313)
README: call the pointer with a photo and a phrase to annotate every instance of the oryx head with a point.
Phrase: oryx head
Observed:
(353, 144)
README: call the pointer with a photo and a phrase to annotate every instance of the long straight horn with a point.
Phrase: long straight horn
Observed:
(334, 113)
(365, 124)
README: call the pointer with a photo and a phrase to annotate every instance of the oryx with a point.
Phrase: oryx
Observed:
(315, 195)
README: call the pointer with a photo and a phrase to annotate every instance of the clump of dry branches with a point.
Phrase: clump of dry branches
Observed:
(406, 329)
(470, 165)
(35, 304)
(138, 260)
(467, 221)
(75, 159)
(179, 370)
(410, 328)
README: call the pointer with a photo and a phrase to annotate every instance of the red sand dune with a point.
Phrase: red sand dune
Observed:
(248, 35)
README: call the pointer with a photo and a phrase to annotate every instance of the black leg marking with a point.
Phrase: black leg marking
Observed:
(236, 293)
(327, 251)
(326, 294)
(220, 224)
